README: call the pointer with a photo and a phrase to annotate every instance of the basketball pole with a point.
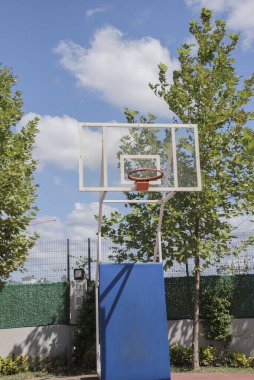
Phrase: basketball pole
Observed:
(157, 252)
(157, 247)
(98, 261)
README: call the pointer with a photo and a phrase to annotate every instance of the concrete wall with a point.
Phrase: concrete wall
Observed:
(56, 340)
(43, 340)
(53, 340)
(180, 331)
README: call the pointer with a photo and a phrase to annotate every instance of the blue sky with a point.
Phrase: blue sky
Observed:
(85, 60)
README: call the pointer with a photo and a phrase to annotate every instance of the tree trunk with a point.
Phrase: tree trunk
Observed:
(195, 337)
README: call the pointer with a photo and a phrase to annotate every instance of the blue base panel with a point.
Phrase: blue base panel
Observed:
(133, 322)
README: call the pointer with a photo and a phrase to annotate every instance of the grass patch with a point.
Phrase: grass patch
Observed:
(45, 375)
(213, 370)
(24, 376)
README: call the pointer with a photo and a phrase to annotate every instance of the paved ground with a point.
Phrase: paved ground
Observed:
(212, 376)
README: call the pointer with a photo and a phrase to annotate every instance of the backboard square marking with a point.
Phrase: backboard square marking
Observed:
(124, 157)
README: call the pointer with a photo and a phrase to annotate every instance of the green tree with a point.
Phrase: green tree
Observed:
(17, 188)
(207, 91)
(84, 354)
(249, 137)
(249, 153)
(216, 316)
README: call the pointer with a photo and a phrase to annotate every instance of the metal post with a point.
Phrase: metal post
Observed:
(68, 279)
(89, 259)
(164, 199)
(188, 285)
(98, 355)
(157, 248)
(68, 260)
(187, 269)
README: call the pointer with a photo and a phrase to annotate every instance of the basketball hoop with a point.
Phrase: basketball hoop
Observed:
(142, 184)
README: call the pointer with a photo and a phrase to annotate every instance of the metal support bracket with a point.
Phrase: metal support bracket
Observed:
(157, 248)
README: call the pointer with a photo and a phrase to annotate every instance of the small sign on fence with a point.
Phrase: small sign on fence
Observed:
(79, 294)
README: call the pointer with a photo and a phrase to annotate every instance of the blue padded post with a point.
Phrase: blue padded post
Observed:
(133, 323)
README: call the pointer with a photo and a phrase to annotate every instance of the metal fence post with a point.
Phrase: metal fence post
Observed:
(189, 287)
(69, 353)
(68, 260)
(89, 259)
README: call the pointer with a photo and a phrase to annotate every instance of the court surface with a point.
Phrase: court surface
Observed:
(212, 376)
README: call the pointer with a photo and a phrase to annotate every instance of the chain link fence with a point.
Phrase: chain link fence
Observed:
(55, 260)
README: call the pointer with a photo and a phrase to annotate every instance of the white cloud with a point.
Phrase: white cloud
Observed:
(79, 224)
(93, 11)
(81, 221)
(119, 69)
(239, 15)
(241, 19)
(215, 5)
(57, 180)
(57, 142)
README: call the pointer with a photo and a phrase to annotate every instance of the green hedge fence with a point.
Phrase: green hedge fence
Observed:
(42, 304)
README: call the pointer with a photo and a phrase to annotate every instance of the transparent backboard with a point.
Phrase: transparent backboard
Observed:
(110, 151)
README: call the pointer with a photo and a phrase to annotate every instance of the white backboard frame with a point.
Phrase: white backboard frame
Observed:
(131, 188)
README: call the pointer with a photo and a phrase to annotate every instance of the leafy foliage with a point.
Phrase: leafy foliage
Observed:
(249, 154)
(12, 364)
(251, 361)
(249, 138)
(84, 339)
(17, 188)
(215, 303)
(207, 356)
(238, 359)
(180, 355)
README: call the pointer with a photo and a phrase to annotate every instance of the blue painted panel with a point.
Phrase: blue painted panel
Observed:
(133, 324)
